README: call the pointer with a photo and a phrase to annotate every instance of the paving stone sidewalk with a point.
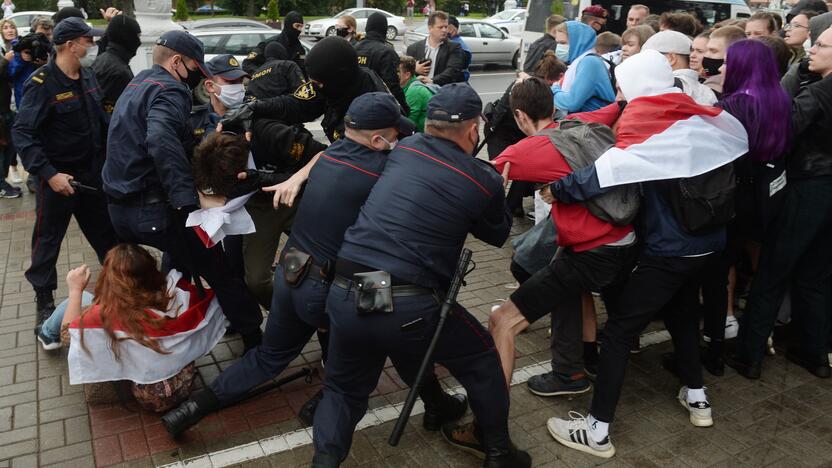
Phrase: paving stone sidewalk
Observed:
(785, 419)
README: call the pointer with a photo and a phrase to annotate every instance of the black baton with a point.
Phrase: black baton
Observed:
(450, 300)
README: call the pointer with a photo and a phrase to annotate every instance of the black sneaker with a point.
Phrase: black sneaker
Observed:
(10, 192)
(554, 384)
(46, 342)
(465, 437)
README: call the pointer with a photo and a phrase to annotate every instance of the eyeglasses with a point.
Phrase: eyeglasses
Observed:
(791, 26)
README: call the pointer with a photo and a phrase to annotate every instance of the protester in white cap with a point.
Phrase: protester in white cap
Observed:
(676, 48)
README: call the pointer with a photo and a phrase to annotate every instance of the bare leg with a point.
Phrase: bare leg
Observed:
(505, 324)
(589, 317)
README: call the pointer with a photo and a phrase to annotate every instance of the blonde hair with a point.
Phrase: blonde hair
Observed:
(642, 32)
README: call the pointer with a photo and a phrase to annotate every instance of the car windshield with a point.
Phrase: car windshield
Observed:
(345, 12)
(504, 15)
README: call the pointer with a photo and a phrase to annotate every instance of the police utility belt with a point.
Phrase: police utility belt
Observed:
(374, 290)
(146, 197)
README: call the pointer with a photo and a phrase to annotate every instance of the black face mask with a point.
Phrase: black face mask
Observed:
(192, 79)
(712, 65)
(291, 32)
(342, 32)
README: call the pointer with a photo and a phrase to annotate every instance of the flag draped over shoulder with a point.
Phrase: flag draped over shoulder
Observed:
(670, 136)
(194, 326)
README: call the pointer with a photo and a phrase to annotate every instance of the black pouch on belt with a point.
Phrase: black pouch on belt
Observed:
(295, 266)
(373, 293)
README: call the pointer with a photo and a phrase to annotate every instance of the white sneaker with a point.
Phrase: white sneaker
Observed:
(700, 411)
(14, 175)
(731, 327)
(574, 433)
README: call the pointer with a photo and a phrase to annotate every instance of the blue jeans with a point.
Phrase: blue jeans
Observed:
(52, 326)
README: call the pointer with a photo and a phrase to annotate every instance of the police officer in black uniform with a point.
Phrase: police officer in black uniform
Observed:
(276, 77)
(430, 195)
(335, 79)
(339, 183)
(289, 38)
(60, 133)
(375, 53)
(148, 178)
(225, 91)
(112, 67)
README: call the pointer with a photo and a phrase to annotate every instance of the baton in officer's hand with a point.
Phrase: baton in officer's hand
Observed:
(450, 300)
(79, 187)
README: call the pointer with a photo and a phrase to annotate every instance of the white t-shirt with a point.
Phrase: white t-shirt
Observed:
(430, 54)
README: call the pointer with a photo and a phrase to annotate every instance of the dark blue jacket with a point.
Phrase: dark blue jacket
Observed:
(145, 148)
(61, 125)
(430, 195)
(19, 71)
(338, 186)
(660, 232)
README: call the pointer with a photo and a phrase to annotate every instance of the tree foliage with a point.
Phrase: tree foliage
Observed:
(181, 11)
(272, 13)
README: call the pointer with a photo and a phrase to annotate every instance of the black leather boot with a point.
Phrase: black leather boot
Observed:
(712, 359)
(307, 411)
(188, 413)
(45, 304)
(747, 369)
(501, 453)
(323, 460)
(443, 409)
(817, 366)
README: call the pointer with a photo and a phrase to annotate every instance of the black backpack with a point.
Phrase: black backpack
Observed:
(705, 202)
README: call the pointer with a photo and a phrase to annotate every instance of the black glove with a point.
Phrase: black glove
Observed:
(257, 179)
(806, 76)
(239, 119)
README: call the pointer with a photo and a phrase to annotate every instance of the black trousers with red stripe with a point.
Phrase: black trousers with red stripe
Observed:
(53, 213)
(360, 344)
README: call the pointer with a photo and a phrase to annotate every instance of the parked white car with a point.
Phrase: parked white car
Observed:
(487, 43)
(511, 21)
(326, 27)
(23, 19)
(237, 42)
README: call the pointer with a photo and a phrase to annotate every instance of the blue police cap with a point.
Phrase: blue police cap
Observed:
(185, 44)
(373, 111)
(73, 28)
(454, 103)
(225, 66)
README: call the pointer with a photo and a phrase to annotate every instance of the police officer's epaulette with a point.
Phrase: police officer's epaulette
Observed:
(40, 75)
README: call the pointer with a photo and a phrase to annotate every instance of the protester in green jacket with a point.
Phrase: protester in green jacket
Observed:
(416, 93)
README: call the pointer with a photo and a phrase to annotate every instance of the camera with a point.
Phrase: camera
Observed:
(37, 44)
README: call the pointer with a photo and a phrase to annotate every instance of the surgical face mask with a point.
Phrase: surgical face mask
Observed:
(711, 65)
(231, 95)
(562, 52)
(89, 58)
(390, 144)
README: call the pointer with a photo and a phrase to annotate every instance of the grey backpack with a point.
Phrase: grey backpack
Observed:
(581, 144)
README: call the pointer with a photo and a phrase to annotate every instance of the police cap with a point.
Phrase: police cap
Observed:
(185, 44)
(373, 111)
(454, 103)
(225, 66)
(73, 28)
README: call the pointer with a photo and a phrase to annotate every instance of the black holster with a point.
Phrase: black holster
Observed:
(295, 266)
(373, 292)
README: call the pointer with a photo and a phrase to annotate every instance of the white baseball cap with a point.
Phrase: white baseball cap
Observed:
(669, 42)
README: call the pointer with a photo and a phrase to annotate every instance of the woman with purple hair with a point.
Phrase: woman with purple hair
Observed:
(753, 95)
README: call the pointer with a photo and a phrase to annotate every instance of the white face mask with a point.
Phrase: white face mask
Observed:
(89, 58)
(390, 144)
(231, 95)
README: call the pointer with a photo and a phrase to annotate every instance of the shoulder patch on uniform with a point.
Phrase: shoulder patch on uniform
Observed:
(233, 62)
(39, 77)
(251, 55)
(336, 135)
(199, 131)
(362, 60)
(305, 92)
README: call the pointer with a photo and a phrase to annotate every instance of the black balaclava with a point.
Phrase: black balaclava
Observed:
(334, 63)
(377, 23)
(67, 12)
(124, 31)
(291, 18)
(275, 51)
